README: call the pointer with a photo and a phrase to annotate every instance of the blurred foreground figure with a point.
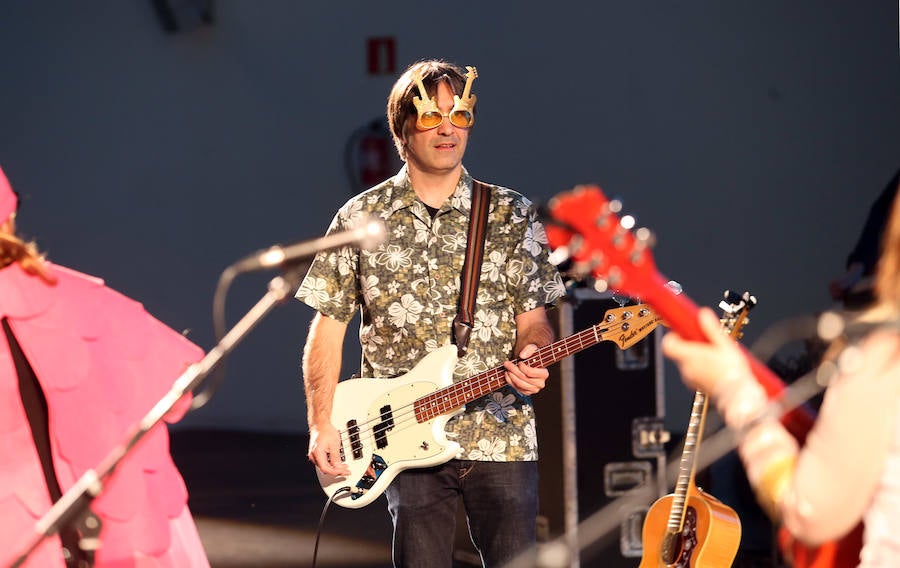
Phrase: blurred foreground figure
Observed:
(79, 365)
(849, 468)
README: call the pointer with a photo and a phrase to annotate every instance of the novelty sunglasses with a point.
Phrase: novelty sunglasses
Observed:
(461, 115)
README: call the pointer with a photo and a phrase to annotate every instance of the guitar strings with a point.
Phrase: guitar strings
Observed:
(458, 393)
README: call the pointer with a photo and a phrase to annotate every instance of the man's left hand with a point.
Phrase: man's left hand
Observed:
(527, 380)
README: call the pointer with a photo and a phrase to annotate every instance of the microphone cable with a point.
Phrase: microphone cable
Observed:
(217, 375)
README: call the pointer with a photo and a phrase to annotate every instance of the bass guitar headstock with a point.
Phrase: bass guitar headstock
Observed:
(627, 325)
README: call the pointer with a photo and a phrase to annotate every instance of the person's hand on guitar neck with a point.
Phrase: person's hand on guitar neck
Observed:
(325, 449)
(718, 368)
(533, 331)
(527, 380)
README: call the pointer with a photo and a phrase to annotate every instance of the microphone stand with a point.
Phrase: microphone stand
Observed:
(74, 505)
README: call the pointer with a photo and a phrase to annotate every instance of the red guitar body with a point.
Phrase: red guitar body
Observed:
(843, 553)
(600, 245)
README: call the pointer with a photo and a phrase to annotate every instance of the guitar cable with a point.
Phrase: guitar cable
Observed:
(328, 503)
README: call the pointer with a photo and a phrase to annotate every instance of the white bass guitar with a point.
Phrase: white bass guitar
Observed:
(389, 425)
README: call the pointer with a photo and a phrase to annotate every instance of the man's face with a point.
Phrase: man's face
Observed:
(441, 149)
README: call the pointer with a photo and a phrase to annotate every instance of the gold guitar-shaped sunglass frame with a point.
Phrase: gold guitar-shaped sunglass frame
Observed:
(462, 114)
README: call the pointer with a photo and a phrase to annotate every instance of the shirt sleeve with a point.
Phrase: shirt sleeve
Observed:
(534, 281)
(848, 445)
(331, 286)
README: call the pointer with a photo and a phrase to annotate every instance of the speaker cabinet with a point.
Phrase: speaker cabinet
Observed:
(601, 437)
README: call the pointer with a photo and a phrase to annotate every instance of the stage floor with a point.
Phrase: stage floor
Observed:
(257, 503)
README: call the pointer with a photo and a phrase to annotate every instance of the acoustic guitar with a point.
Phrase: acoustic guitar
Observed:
(690, 528)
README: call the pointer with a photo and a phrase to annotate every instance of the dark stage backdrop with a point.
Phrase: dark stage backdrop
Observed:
(751, 137)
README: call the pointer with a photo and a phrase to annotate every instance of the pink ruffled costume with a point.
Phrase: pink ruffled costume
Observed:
(102, 362)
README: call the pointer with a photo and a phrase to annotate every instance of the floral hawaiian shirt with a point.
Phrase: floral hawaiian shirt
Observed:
(408, 291)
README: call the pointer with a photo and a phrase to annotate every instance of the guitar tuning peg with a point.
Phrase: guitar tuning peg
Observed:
(614, 278)
(645, 237)
(602, 220)
(575, 245)
(615, 205)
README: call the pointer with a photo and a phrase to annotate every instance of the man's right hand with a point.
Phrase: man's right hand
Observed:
(325, 450)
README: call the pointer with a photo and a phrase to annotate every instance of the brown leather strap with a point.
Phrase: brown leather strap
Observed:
(471, 271)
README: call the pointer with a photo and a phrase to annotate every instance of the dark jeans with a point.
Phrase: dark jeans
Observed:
(500, 498)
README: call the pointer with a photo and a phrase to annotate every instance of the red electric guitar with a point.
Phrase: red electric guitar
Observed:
(587, 226)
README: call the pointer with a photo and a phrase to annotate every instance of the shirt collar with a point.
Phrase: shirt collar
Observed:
(460, 199)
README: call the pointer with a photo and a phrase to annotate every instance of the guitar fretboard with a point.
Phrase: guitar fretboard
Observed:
(622, 331)
(688, 462)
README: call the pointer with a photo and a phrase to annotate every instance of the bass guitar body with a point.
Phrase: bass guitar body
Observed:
(709, 539)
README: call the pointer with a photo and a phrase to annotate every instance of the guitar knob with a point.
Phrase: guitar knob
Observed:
(644, 237)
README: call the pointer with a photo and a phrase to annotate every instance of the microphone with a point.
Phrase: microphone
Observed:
(367, 234)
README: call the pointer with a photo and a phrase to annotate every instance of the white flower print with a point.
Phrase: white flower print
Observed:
(485, 325)
(354, 212)
(492, 266)
(454, 242)
(314, 291)
(369, 338)
(469, 365)
(369, 285)
(422, 231)
(491, 450)
(515, 271)
(461, 200)
(531, 435)
(531, 242)
(514, 440)
(407, 310)
(344, 264)
(393, 257)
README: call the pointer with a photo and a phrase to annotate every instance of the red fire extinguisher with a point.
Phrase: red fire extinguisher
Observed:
(370, 156)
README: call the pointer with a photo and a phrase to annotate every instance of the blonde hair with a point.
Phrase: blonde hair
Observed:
(15, 250)
(887, 276)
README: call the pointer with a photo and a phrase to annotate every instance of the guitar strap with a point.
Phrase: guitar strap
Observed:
(471, 270)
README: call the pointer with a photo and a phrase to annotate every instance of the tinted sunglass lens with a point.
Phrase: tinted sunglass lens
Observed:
(461, 118)
(430, 119)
